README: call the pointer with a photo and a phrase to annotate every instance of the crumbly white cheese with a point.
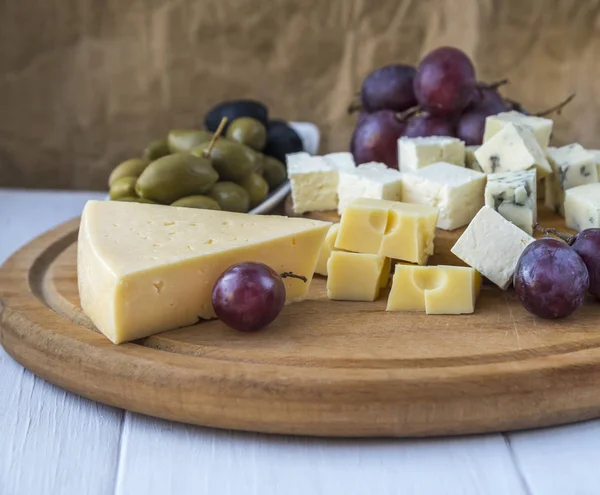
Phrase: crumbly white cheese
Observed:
(492, 245)
(512, 148)
(572, 166)
(470, 160)
(514, 196)
(370, 180)
(582, 207)
(416, 153)
(456, 191)
(539, 126)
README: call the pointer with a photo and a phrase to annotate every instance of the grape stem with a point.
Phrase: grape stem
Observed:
(557, 108)
(497, 84)
(216, 135)
(569, 239)
(407, 114)
(355, 104)
(293, 275)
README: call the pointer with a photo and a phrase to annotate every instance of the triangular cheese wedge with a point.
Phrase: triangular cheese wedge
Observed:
(144, 269)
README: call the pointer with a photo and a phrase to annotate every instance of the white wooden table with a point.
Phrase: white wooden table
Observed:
(53, 442)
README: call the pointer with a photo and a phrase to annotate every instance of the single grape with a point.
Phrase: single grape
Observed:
(248, 296)
(445, 81)
(361, 118)
(389, 88)
(551, 280)
(375, 138)
(471, 125)
(587, 245)
(425, 125)
(487, 97)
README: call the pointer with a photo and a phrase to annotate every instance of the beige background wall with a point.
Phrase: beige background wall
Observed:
(84, 83)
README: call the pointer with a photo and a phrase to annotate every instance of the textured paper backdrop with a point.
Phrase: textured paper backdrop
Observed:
(87, 83)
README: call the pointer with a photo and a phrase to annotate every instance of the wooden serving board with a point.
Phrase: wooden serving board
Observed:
(322, 368)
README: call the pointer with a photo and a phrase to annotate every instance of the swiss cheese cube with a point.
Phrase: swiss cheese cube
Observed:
(419, 152)
(512, 148)
(326, 249)
(434, 289)
(388, 228)
(539, 126)
(492, 245)
(582, 207)
(356, 276)
(456, 191)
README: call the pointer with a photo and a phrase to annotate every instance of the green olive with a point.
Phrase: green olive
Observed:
(186, 139)
(230, 196)
(232, 161)
(274, 172)
(256, 187)
(132, 199)
(129, 168)
(174, 176)
(248, 131)
(125, 186)
(157, 149)
(197, 201)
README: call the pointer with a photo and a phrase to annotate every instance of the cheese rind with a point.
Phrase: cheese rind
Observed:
(492, 245)
(326, 249)
(370, 180)
(582, 207)
(434, 289)
(539, 126)
(419, 152)
(512, 148)
(456, 191)
(143, 269)
(514, 196)
(355, 276)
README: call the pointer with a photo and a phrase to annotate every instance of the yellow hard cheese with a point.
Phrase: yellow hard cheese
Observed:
(356, 276)
(326, 249)
(434, 289)
(392, 229)
(144, 269)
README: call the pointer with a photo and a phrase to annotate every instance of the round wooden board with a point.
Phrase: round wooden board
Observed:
(323, 368)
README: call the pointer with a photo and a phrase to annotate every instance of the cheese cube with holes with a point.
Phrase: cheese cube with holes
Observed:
(370, 180)
(419, 152)
(456, 191)
(437, 290)
(513, 195)
(582, 207)
(492, 245)
(326, 249)
(539, 126)
(144, 269)
(470, 160)
(314, 180)
(572, 166)
(388, 228)
(512, 148)
(356, 276)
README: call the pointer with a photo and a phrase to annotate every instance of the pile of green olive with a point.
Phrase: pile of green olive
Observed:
(189, 168)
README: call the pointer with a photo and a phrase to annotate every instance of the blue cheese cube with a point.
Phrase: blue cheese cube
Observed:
(514, 196)
(596, 154)
(511, 149)
(539, 126)
(419, 152)
(470, 160)
(572, 166)
(370, 180)
(492, 245)
(456, 191)
(582, 207)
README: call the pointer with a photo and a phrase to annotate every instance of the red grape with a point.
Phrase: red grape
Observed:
(375, 138)
(425, 125)
(587, 245)
(486, 96)
(389, 88)
(248, 296)
(551, 280)
(445, 81)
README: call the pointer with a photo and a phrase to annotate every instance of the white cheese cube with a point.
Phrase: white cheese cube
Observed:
(512, 148)
(514, 196)
(342, 160)
(370, 180)
(314, 183)
(582, 207)
(492, 245)
(470, 160)
(572, 166)
(416, 153)
(294, 160)
(539, 126)
(456, 191)
(596, 154)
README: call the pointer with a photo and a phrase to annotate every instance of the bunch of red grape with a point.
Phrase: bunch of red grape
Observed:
(441, 97)
(552, 276)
